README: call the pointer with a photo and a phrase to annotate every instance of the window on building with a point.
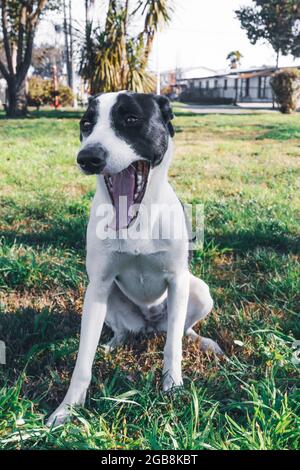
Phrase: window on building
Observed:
(216, 83)
(225, 84)
(200, 84)
(207, 83)
(259, 87)
(247, 87)
(265, 87)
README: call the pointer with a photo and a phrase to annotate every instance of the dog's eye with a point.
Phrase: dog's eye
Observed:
(86, 125)
(131, 120)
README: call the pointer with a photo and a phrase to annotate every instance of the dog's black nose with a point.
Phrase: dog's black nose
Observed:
(92, 158)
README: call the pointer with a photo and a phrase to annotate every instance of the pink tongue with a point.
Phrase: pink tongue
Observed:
(123, 185)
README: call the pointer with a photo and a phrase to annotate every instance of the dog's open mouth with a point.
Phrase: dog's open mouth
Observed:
(126, 190)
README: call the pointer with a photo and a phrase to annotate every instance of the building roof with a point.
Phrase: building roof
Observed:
(262, 71)
(199, 72)
(191, 72)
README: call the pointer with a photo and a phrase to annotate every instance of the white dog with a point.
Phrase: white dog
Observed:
(135, 283)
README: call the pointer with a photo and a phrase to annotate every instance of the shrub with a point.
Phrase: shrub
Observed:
(286, 87)
(40, 93)
(65, 95)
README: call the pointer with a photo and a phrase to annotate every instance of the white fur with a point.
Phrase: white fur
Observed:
(135, 285)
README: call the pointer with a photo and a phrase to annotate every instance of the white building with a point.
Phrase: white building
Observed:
(169, 79)
(249, 85)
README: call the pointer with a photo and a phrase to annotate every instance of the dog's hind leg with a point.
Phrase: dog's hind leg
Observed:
(199, 306)
(113, 343)
(206, 344)
(123, 317)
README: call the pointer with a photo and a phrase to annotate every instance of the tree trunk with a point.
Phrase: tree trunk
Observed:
(277, 59)
(17, 100)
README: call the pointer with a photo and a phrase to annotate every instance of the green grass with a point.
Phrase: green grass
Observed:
(245, 170)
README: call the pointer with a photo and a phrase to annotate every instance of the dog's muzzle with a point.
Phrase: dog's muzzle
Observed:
(92, 159)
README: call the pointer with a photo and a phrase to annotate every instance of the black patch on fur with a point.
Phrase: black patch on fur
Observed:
(143, 121)
(166, 111)
(90, 116)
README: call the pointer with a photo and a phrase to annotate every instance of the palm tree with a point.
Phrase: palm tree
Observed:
(235, 59)
(112, 59)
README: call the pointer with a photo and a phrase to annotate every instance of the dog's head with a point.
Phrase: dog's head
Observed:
(123, 135)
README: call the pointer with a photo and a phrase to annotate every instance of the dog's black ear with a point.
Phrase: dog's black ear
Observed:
(93, 97)
(166, 111)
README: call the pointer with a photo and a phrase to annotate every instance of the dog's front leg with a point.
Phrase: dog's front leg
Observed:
(178, 293)
(94, 312)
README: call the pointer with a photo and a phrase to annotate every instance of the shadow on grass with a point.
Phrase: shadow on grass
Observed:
(72, 234)
(245, 240)
(28, 327)
(48, 113)
(63, 225)
(214, 113)
(68, 230)
(28, 332)
(41, 347)
(57, 114)
(185, 114)
(282, 132)
(69, 234)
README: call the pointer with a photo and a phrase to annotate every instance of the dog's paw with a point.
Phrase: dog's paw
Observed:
(112, 344)
(208, 345)
(59, 416)
(107, 348)
(170, 384)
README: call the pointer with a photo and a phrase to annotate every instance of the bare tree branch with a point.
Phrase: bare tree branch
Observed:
(33, 20)
(22, 27)
(35, 15)
(24, 66)
(6, 38)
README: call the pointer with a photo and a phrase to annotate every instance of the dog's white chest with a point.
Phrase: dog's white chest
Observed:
(143, 278)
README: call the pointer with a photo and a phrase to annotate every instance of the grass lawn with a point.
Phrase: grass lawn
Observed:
(245, 169)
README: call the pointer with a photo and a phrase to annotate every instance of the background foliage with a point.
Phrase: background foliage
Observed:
(114, 58)
(286, 87)
(41, 92)
(274, 21)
